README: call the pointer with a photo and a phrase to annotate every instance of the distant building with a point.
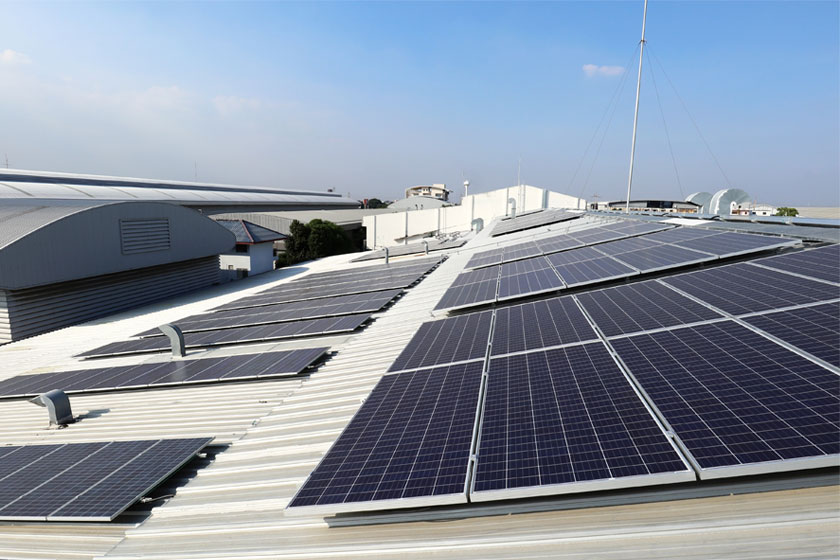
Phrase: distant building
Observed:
(649, 206)
(418, 203)
(254, 250)
(754, 209)
(438, 191)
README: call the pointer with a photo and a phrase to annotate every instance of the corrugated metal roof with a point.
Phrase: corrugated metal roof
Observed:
(20, 217)
(233, 508)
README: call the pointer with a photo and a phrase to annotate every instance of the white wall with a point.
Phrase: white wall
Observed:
(258, 259)
(385, 230)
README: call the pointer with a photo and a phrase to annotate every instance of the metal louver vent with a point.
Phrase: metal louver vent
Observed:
(144, 236)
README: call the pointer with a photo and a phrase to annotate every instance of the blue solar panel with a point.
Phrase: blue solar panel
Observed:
(567, 420)
(486, 258)
(662, 257)
(680, 234)
(739, 402)
(815, 329)
(408, 445)
(284, 312)
(469, 294)
(455, 339)
(528, 276)
(266, 364)
(640, 307)
(557, 243)
(743, 288)
(85, 481)
(540, 324)
(625, 245)
(730, 243)
(532, 220)
(574, 256)
(822, 263)
(593, 270)
(309, 327)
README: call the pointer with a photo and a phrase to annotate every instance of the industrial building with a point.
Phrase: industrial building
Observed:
(77, 247)
(270, 435)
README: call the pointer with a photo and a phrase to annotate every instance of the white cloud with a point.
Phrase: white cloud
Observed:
(594, 70)
(228, 105)
(10, 57)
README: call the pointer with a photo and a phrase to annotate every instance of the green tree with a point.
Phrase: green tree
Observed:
(376, 203)
(318, 238)
(326, 239)
(787, 211)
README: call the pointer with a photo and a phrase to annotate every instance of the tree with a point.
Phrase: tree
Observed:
(787, 211)
(376, 203)
(318, 238)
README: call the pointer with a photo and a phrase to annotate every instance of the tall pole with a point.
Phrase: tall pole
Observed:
(636, 114)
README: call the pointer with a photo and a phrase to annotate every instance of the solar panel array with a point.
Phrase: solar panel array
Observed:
(318, 304)
(610, 259)
(85, 481)
(431, 244)
(222, 337)
(230, 368)
(634, 385)
(532, 220)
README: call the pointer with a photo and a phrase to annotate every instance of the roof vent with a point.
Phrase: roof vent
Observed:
(58, 405)
(176, 339)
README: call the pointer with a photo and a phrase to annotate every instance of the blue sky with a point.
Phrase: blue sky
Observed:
(370, 98)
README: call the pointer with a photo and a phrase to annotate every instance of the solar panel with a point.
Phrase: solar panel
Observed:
(486, 258)
(455, 339)
(530, 276)
(413, 248)
(593, 270)
(675, 235)
(86, 481)
(284, 312)
(625, 245)
(567, 420)
(662, 257)
(641, 306)
(310, 327)
(229, 368)
(743, 288)
(540, 324)
(477, 275)
(557, 243)
(729, 244)
(822, 263)
(407, 446)
(597, 235)
(574, 256)
(738, 402)
(814, 329)
(532, 220)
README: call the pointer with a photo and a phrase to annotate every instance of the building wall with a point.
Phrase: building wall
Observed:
(393, 229)
(32, 311)
(258, 259)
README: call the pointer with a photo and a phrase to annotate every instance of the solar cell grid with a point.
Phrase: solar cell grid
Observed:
(730, 243)
(539, 324)
(567, 420)
(410, 441)
(680, 234)
(662, 257)
(455, 339)
(532, 220)
(534, 282)
(557, 243)
(738, 402)
(743, 288)
(129, 481)
(468, 294)
(574, 256)
(593, 270)
(822, 263)
(486, 258)
(174, 372)
(814, 329)
(626, 245)
(640, 307)
(284, 312)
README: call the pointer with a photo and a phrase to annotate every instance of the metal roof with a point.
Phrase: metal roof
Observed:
(277, 431)
(248, 233)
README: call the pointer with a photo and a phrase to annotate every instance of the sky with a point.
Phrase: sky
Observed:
(369, 98)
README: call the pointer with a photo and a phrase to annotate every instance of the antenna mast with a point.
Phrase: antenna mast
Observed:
(636, 114)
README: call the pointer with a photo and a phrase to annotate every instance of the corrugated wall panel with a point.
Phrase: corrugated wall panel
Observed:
(33, 311)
